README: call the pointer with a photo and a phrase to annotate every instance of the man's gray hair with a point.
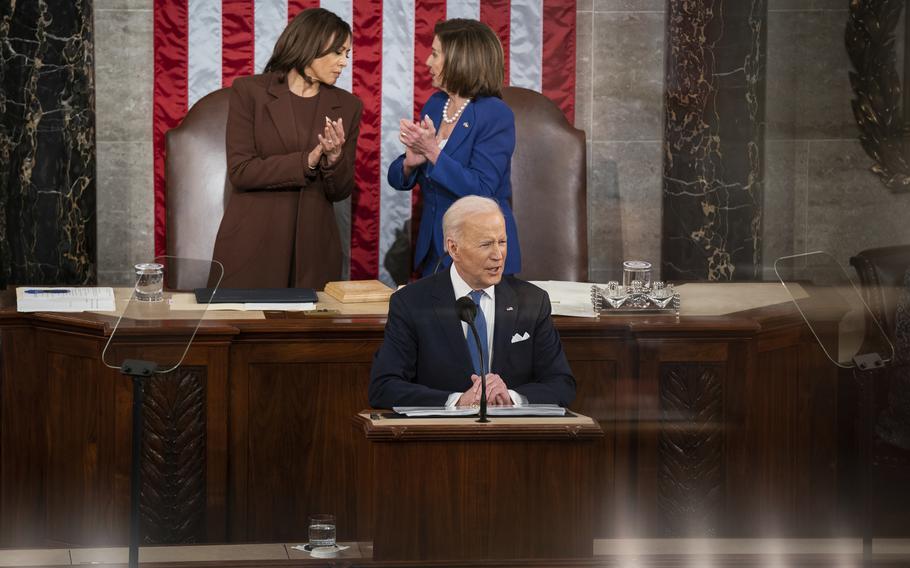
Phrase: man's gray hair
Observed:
(462, 210)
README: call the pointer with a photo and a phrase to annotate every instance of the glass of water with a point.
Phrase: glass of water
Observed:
(639, 270)
(149, 282)
(322, 530)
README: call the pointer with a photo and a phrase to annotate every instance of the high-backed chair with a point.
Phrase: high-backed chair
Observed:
(548, 185)
(197, 186)
(549, 189)
(881, 273)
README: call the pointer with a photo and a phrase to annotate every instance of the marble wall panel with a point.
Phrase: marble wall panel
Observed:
(786, 193)
(628, 75)
(844, 209)
(808, 89)
(790, 5)
(630, 5)
(625, 193)
(619, 85)
(123, 4)
(124, 75)
(848, 209)
(584, 72)
(47, 135)
(714, 140)
(125, 201)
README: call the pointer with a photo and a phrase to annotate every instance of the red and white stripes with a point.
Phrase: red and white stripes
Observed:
(202, 45)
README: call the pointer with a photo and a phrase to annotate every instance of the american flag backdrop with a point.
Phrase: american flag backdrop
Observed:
(202, 45)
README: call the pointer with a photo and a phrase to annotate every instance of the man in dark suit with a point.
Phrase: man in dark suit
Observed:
(425, 359)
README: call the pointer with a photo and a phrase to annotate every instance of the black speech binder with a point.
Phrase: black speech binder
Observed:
(256, 295)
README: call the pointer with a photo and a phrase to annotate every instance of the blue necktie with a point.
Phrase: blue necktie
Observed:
(480, 322)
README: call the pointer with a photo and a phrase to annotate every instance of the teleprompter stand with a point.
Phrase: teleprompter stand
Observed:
(170, 352)
(851, 338)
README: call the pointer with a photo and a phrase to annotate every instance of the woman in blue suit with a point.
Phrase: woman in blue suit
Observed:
(463, 144)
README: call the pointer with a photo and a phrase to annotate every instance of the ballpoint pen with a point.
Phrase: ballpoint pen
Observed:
(48, 291)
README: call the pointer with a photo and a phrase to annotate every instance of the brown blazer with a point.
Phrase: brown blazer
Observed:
(279, 227)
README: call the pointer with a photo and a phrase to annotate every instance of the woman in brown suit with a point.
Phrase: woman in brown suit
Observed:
(291, 136)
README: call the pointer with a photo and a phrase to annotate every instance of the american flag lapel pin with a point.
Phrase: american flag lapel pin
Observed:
(509, 309)
(465, 124)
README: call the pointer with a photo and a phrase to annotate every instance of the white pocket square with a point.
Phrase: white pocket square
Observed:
(517, 337)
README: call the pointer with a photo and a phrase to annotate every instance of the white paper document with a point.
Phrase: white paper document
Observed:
(526, 410)
(568, 298)
(64, 299)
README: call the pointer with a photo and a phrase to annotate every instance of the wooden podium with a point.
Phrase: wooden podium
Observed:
(453, 489)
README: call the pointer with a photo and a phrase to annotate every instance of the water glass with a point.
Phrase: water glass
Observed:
(639, 270)
(149, 282)
(322, 530)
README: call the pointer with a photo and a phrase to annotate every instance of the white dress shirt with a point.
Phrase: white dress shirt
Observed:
(488, 306)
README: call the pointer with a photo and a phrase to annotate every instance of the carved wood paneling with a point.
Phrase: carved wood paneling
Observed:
(173, 500)
(690, 446)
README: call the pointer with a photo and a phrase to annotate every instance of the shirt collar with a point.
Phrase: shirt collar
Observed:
(461, 287)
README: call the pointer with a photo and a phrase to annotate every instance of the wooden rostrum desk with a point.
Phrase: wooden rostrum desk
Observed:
(453, 489)
(721, 422)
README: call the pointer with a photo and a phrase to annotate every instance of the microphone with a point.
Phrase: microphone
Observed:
(439, 263)
(467, 311)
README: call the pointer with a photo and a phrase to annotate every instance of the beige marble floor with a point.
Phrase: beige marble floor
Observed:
(602, 547)
(200, 553)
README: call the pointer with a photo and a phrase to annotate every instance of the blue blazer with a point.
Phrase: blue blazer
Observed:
(476, 160)
(424, 355)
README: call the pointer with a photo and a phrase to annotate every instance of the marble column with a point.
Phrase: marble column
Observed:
(713, 139)
(47, 142)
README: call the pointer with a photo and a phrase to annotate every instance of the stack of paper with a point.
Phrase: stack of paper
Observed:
(69, 299)
(452, 411)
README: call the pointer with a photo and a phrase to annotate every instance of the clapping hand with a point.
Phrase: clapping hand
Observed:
(331, 143)
(411, 158)
(332, 140)
(419, 138)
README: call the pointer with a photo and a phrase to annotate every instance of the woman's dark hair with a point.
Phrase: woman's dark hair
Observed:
(474, 63)
(312, 33)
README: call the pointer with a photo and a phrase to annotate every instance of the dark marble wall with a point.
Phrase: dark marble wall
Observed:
(47, 142)
(819, 191)
(713, 139)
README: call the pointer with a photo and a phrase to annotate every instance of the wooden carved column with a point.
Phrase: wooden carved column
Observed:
(682, 428)
(173, 502)
(713, 139)
(690, 480)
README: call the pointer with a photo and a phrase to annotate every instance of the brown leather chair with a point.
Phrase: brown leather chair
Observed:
(549, 189)
(881, 273)
(548, 185)
(197, 186)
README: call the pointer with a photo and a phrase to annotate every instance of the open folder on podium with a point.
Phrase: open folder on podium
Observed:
(451, 411)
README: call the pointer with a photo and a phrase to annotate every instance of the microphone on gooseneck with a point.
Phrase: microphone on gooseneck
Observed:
(439, 262)
(467, 312)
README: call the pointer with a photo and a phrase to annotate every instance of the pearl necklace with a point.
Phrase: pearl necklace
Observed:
(445, 111)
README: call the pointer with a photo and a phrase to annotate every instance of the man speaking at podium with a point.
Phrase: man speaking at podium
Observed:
(428, 356)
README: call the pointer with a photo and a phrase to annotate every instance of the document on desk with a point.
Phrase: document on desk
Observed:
(64, 299)
(450, 411)
(568, 298)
